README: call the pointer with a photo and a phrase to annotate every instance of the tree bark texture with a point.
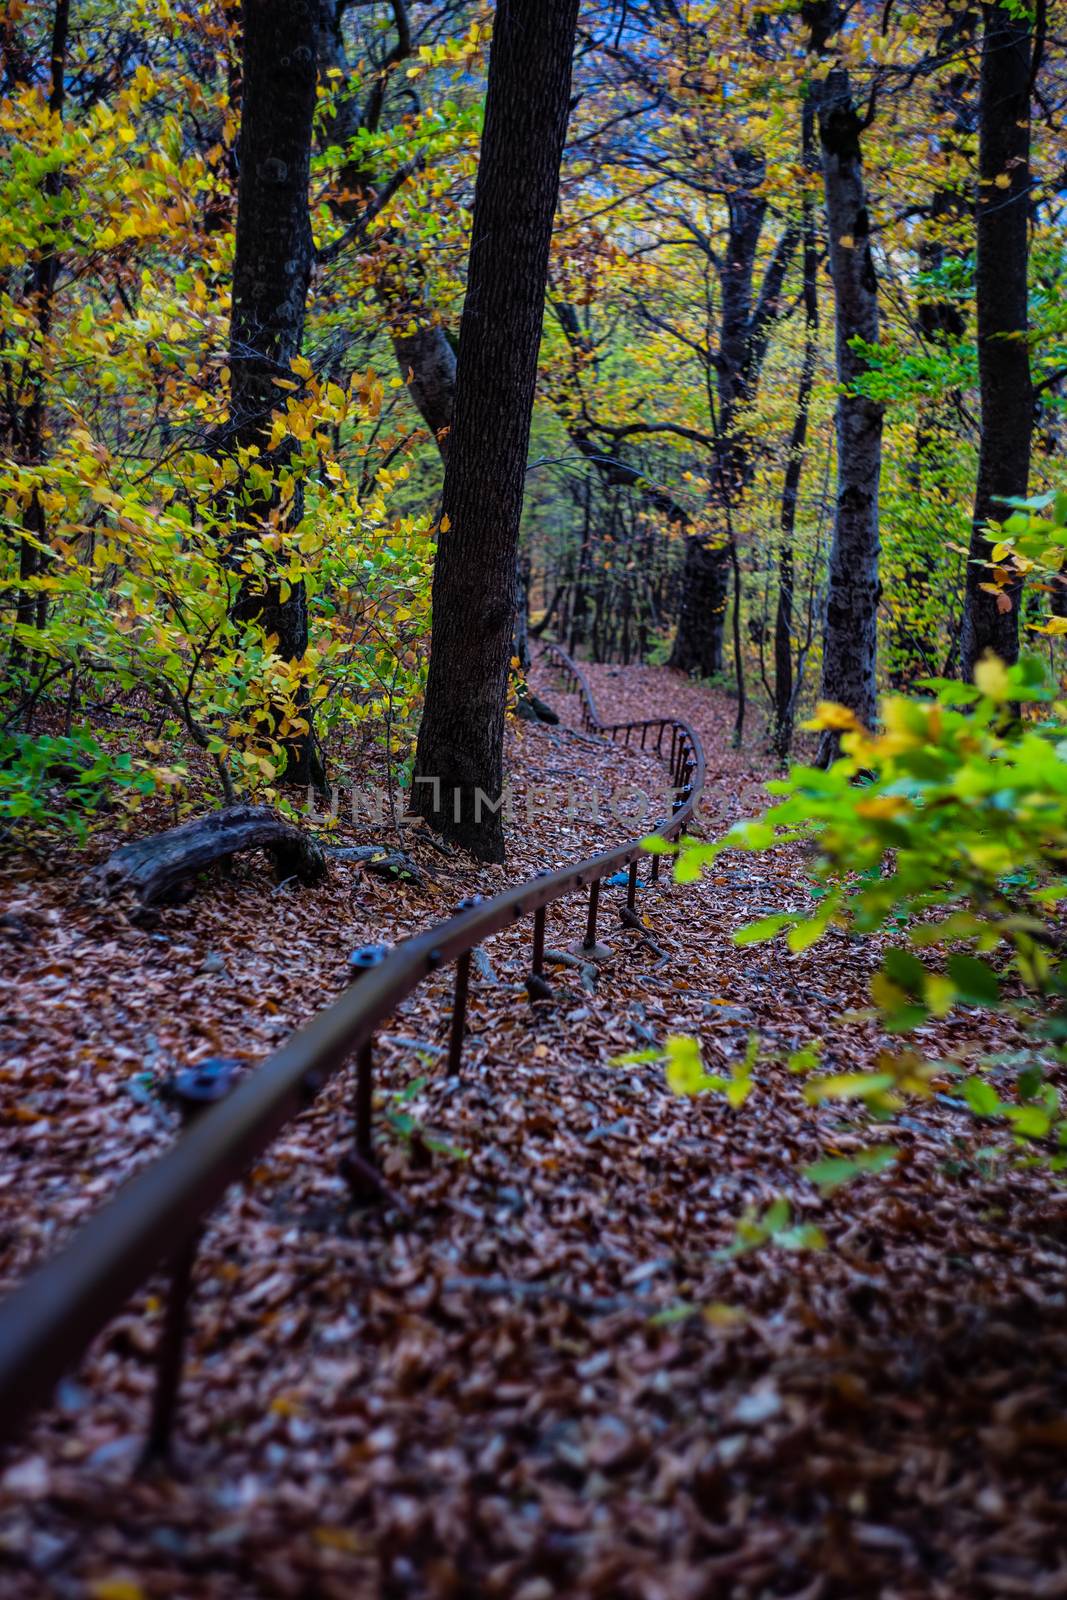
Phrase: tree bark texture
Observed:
(850, 642)
(1002, 267)
(462, 733)
(785, 688)
(154, 867)
(272, 270)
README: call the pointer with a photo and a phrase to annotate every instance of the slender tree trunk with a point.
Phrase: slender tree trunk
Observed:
(31, 606)
(743, 338)
(784, 687)
(739, 660)
(943, 323)
(272, 270)
(580, 603)
(521, 631)
(462, 734)
(991, 622)
(850, 643)
(709, 562)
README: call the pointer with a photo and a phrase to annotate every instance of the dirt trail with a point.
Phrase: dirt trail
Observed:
(544, 1380)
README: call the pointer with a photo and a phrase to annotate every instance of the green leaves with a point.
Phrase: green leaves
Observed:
(833, 1171)
(870, 1086)
(976, 983)
(981, 1097)
(775, 1229)
(63, 782)
(768, 928)
(685, 1074)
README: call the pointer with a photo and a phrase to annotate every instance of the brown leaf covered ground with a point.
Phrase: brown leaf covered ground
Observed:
(541, 1380)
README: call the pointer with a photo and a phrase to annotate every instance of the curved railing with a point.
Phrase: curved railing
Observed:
(155, 1219)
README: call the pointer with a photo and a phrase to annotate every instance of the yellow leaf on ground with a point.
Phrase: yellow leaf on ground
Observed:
(116, 1589)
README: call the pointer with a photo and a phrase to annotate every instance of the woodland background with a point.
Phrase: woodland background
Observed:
(683, 477)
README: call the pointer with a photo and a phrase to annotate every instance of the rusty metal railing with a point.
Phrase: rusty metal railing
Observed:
(155, 1220)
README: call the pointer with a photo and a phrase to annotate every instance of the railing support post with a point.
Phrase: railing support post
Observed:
(537, 985)
(365, 1102)
(170, 1357)
(357, 1167)
(459, 1013)
(590, 926)
(459, 999)
(193, 1091)
(538, 965)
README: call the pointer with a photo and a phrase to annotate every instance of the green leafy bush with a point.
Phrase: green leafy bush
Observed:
(946, 833)
(64, 781)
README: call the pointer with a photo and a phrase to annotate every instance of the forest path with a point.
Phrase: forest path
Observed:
(543, 1379)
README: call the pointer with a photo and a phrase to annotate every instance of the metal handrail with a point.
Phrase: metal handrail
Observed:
(155, 1218)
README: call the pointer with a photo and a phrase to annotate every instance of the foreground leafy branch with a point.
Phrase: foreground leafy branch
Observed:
(944, 835)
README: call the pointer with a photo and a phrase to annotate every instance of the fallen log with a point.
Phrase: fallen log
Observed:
(153, 868)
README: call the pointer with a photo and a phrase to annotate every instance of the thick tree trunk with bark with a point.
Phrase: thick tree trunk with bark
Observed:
(272, 270)
(1002, 268)
(462, 734)
(702, 612)
(850, 643)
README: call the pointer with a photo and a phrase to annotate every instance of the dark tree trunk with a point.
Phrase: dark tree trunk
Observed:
(521, 631)
(427, 364)
(580, 603)
(784, 685)
(462, 734)
(702, 608)
(942, 323)
(743, 338)
(272, 270)
(31, 606)
(850, 643)
(698, 643)
(1002, 266)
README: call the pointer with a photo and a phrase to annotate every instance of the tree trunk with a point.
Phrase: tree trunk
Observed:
(743, 338)
(698, 643)
(462, 733)
(850, 643)
(272, 269)
(702, 609)
(521, 633)
(784, 686)
(942, 322)
(1002, 265)
(31, 606)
